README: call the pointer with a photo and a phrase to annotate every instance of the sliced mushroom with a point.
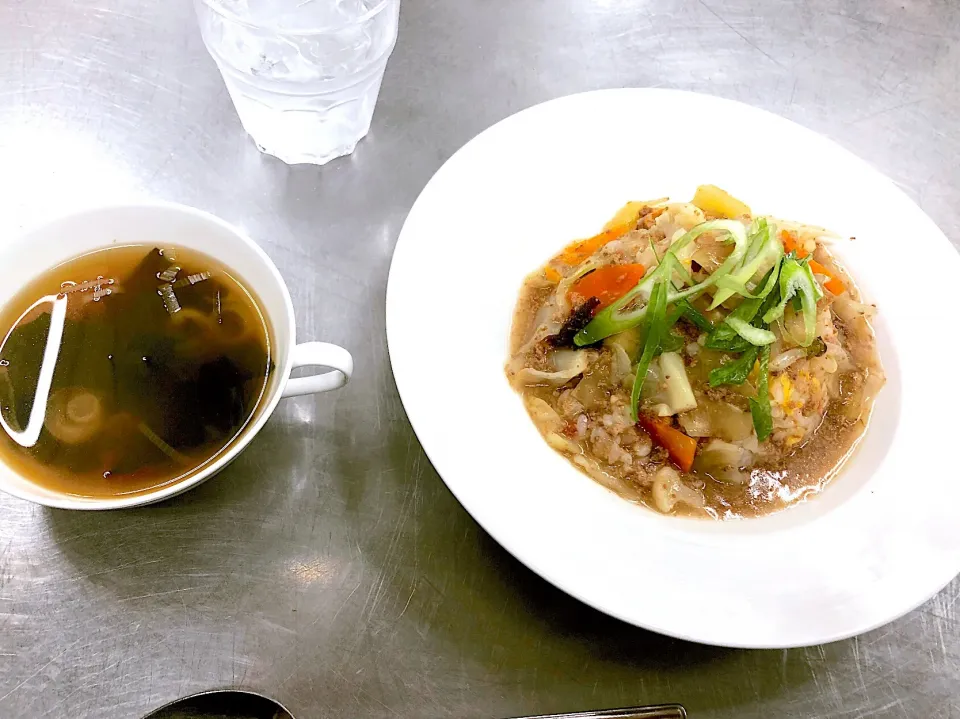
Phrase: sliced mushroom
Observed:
(669, 490)
(561, 443)
(543, 415)
(724, 461)
(568, 364)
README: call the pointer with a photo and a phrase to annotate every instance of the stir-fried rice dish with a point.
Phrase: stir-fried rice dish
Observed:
(697, 358)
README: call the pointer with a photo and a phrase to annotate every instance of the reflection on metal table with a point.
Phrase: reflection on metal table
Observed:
(329, 567)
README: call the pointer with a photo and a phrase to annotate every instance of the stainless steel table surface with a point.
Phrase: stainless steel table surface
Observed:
(329, 566)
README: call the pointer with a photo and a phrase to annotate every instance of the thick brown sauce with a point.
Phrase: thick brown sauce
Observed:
(797, 477)
(791, 476)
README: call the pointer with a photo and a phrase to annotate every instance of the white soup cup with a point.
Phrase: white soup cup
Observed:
(162, 225)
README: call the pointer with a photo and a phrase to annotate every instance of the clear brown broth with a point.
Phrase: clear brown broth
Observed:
(142, 396)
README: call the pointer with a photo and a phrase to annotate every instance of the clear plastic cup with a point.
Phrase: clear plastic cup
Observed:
(304, 75)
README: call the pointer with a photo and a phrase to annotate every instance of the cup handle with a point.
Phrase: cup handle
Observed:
(319, 354)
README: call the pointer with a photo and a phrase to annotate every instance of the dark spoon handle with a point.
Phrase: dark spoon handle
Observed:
(661, 711)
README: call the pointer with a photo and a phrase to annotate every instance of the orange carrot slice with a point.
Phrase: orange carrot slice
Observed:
(833, 283)
(607, 284)
(577, 252)
(790, 244)
(681, 448)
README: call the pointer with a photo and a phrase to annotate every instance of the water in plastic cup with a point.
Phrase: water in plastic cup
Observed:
(304, 75)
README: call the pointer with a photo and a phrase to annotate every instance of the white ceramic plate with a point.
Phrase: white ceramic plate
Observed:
(884, 536)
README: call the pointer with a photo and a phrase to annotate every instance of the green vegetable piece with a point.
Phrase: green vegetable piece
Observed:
(724, 334)
(655, 326)
(796, 279)
(760, 405)
(626, 312)
(754, 335)
(629, 310)
(769, 285)
(725, 338)
(747, 315)
(653, 249)
(732, 227)
(770, 301)
(735, 372)
(671, 342)
(763, 254)
(790, 278)
(817, 348)
(673, 315)
(734, 343)
(759, 233)
(694, 316)
(734, 286)
(685, 277)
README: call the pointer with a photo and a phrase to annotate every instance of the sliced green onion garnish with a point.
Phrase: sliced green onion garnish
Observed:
(735, 372)
(724, 337)
(723, 343)
(655, 319)
(618, 318)
(765, 252)
(733, 227)
(694, 316)
(760, 405)
(685, 277)
(740, 288)
(736, 287)
(671, 342)
(753, 335)
(759, 233)
(796, 279)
